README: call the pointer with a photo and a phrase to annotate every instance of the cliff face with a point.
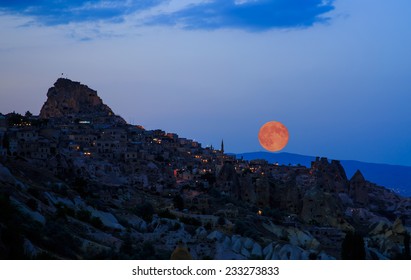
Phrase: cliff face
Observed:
(69, 98)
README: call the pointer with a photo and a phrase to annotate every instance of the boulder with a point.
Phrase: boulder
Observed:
(398, 227)
(234, 238)
(379, 228)
(324, 256)
(268, 251)
(29, 249)
(33, 214)
(216, 235)
(256, 250)
(290, 252)
(302, 239)
(6, 176)
(245, 252)
(201, 232)
(227, 242)
(107, 218)
(248, 243)
(237, 246)
(60, 200)
(275, 229)
(276, 252)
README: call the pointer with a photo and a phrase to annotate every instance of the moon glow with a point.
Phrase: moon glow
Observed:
(273, 136)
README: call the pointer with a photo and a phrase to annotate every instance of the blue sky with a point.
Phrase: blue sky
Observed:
(336, 73)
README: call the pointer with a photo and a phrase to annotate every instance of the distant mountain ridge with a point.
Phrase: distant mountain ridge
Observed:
(395, 177)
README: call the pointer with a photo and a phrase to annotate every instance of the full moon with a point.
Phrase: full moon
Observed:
(273, 136)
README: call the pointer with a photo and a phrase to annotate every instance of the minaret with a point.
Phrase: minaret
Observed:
(222, 146)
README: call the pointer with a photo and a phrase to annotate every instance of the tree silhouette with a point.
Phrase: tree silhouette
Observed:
(145, 211)
(407, 255)
(353, 247)
(178, 202)
(221, 221)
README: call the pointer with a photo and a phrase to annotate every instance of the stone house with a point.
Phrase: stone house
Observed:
(109, 148)
(119, 134)
(131, 156)
(43, 149)
(27, 135)
(3, 152)
(199, 202)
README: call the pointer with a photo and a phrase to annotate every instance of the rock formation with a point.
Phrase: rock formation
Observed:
(331, 177)
(68, 99)
(228, 181)
(358, 189)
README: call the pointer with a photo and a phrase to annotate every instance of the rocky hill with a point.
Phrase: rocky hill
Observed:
(79, 183)
(395, 177)
(68, 98)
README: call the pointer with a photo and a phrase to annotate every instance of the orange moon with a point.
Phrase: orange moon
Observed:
(273, 136)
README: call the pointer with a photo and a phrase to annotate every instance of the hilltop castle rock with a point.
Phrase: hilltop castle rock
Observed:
(69, 99)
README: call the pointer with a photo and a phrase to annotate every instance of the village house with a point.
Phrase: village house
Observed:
(109, 148)
(44, 149)
(3, 152)
(50, 133)
(27, 134)
(85, 140)
(119, 134)
(13, 146)
(197, 203)
(131, 156)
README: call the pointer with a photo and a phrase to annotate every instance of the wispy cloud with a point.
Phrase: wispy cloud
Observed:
(60, 12)
(253, 15)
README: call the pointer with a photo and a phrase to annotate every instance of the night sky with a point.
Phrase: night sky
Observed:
(336, 73)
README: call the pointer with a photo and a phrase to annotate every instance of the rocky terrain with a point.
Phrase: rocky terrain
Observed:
(77, 182)
(394, 177)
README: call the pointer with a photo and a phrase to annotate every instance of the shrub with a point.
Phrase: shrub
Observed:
(32, 204)
(240, 228)
(84, 215)
(208, 226)
(221, 221)
(97, 223)
(166, 214)
(353, 247)
(145, 211)
(34, 192)
(147, 251)
(176, 227)
(178, 202)
(190, 221)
